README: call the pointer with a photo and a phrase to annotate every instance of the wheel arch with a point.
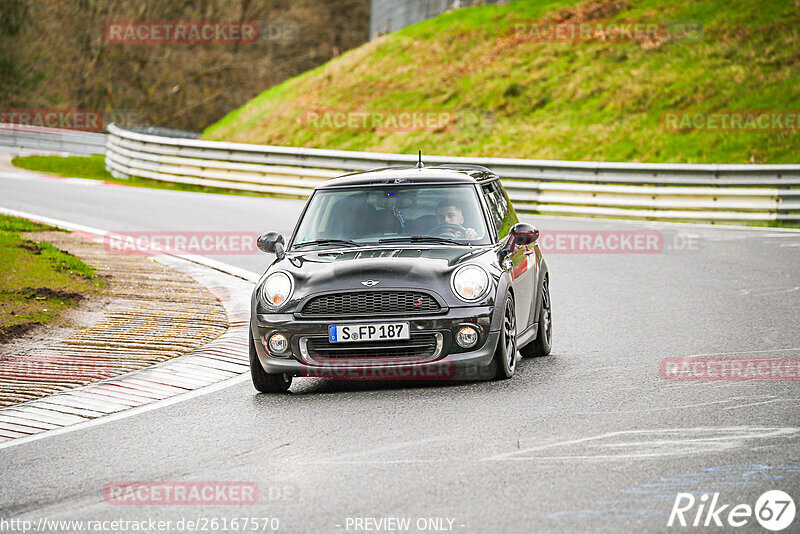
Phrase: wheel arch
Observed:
(537, 301)
(504, 288)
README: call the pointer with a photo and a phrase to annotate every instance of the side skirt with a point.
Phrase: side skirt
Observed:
(528, 335)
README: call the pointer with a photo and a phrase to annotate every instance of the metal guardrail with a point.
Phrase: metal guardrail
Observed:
(722, 193)
(37, 139)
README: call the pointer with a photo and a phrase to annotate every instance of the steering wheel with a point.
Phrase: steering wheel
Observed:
(453, 231)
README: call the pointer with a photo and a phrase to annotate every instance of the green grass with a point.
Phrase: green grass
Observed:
(17, 224)
(39, 281)
(94, 167)
(514, 97)
(64, 261)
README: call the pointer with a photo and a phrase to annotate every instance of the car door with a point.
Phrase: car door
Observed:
(522, 265)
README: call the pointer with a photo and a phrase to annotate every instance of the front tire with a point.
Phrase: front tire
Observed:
(263, 381)
(544, 336)
(505, 356)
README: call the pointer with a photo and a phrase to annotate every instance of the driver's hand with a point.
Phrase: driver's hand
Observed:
(470, 233)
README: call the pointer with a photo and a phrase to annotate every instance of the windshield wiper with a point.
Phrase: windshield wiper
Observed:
(420, 238)
(346, 242)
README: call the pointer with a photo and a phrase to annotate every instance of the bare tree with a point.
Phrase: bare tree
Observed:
(55, 53)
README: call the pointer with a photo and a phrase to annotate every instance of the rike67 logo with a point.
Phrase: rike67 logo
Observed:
(774, 511)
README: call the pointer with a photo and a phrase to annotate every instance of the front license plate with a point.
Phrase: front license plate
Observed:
(368, 332)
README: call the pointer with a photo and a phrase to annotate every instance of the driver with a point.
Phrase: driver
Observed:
(449, 213)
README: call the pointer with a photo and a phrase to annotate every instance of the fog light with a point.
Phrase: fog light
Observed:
(278, 343)
(467, 337)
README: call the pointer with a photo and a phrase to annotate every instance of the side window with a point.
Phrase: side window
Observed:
(501, 212)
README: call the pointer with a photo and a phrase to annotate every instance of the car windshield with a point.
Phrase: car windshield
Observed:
(393, 214)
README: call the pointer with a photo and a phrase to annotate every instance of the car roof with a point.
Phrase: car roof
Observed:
(441, 174)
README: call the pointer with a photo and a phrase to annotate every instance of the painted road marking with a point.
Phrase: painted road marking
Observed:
(654, 443)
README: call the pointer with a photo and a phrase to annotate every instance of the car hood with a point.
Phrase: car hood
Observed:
(426, 268)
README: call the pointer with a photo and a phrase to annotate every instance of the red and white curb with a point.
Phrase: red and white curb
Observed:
(219, 364)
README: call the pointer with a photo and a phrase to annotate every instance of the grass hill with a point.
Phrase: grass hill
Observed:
(505, 89)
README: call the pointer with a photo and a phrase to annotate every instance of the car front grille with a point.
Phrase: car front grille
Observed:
(420, 346)
(370, 303)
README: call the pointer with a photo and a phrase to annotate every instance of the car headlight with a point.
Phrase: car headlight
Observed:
(276, 289)
(470, 282)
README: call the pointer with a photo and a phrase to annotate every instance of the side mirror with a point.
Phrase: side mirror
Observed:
(272, 243)
(520, 235)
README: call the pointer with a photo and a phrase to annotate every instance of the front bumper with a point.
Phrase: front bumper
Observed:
(449, 361)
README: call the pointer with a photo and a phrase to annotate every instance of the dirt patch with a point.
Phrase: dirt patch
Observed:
(70, 321)
(10, 332)
(589, 11)
(31, 246)
(42, 293)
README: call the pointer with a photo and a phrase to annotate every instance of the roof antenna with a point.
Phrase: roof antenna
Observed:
(420, 165)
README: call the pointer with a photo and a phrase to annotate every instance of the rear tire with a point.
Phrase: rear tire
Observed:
(544, 336)
(505, 356)
(263, 381)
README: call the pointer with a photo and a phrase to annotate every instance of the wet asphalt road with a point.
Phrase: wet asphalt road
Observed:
(590, 438)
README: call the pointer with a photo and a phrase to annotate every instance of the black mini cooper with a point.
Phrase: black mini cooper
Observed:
(401, 273)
